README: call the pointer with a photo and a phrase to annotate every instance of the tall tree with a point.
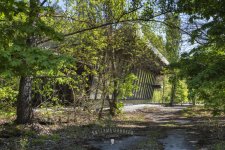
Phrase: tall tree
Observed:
(20, 45)
(173, 38)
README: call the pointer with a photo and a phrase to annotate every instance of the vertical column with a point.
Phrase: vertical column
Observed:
(137, 91)
(149, 85)
(145, 85)
(135, 84)
(151, 89)
(140, 85)
(153, 82)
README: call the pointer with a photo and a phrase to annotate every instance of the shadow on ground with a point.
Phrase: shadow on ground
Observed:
(147, 128)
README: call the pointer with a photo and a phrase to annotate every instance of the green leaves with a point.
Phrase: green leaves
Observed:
(127, 87)
(209, 16)
(204, 70)
(28, 61)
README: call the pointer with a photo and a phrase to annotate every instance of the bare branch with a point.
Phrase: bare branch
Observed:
(104, 25)
(71, 18)
(179, 28)
(53, 77)
(44, 1)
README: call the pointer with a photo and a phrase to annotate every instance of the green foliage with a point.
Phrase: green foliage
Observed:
(211, 29)
(28, 61)
(163, 95)
(157, 40)
(65, 46)
(167, 89)
(126, 88)
(8, 94)
(203, 68)
(20, 53)
(119, 106)
(23, 143)
(173, 36)
(181, 92)
(218, 146)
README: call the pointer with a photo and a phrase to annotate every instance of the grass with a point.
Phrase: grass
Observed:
(135, 116)
(43, 138)
(196, 111)
(6, 115)
(211, 128)
(218, 146)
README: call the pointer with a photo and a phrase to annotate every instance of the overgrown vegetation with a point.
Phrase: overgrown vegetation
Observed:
(59, 58)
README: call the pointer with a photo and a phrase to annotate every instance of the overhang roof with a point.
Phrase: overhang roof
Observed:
(153, 48)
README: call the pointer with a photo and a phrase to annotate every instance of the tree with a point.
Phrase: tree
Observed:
(208, 22)
(20, 45)
(203, 65)
(204, 71)
(173, 37)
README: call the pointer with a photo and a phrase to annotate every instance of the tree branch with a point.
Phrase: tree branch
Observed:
(105, 24)
(44, 1)
(179, 28)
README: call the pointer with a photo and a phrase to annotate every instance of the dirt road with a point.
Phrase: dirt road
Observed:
(166, 122)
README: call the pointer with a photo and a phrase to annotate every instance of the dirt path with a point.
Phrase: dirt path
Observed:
(159, 114)
(167, 122)
(140, 127)
(177, 138)
(162, 115)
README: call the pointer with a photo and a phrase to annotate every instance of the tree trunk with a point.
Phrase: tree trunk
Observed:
(112, 106)
(163, 91)
(24, 102)
(102, 105)
(193, 101)
(173, 91)
(114, 100)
